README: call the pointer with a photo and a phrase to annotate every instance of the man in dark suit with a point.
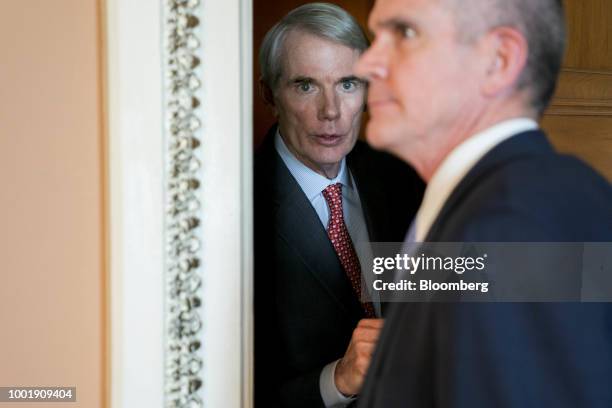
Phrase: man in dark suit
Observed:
(456, 87)
(319, 196)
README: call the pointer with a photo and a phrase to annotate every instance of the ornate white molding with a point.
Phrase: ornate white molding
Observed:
(183, 376)
(180, 232)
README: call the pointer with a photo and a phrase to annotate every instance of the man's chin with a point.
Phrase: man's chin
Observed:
(377, 134)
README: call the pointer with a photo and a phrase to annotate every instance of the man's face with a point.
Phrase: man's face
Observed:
(423, 80)
(319, 101)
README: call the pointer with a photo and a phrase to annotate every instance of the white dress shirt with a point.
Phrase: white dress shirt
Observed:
(456, 166)
(313, 184)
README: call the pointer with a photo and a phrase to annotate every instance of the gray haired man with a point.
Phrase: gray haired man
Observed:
(319, 194)
(456, 89)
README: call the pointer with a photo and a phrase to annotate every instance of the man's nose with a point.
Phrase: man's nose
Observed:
(330, 106)
(372, 64)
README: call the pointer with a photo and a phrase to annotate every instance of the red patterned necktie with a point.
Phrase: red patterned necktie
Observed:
(341, 241)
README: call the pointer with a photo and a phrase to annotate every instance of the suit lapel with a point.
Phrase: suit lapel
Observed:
(522, 145)
(374, 206)
(372, 198)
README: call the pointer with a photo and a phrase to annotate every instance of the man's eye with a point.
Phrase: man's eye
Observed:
(408, 32)
(304, 87)
(349, 85)
(405, 31)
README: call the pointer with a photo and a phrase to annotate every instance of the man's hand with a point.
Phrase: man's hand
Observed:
(352, 368)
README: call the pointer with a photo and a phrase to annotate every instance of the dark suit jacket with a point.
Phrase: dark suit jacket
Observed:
(305, 309)
(505, 354)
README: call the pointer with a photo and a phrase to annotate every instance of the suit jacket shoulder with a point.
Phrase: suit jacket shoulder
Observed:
(391, 192)
(524, 191)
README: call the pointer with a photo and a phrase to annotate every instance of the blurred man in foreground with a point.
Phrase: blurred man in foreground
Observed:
(456, 88)
(319, 196)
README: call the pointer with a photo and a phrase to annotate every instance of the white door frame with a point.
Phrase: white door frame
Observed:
(136, 105)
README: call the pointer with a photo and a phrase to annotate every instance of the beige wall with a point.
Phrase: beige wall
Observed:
(51, 198)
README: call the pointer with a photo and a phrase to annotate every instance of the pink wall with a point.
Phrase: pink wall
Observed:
(51, 199)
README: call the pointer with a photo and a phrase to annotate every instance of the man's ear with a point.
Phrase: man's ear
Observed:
(268, 95)
(507, 56)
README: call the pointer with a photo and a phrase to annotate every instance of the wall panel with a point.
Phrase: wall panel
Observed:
(51, 203)
(579, 120)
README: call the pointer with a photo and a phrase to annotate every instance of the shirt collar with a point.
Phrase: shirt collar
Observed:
(458, 163)
(311, 182)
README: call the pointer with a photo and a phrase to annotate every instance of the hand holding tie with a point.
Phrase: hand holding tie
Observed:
(352, 368)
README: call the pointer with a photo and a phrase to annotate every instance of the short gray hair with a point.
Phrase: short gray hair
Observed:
(542, 22)
(321, 19)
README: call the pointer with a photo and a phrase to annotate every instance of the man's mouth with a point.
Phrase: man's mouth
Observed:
(328, 139)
